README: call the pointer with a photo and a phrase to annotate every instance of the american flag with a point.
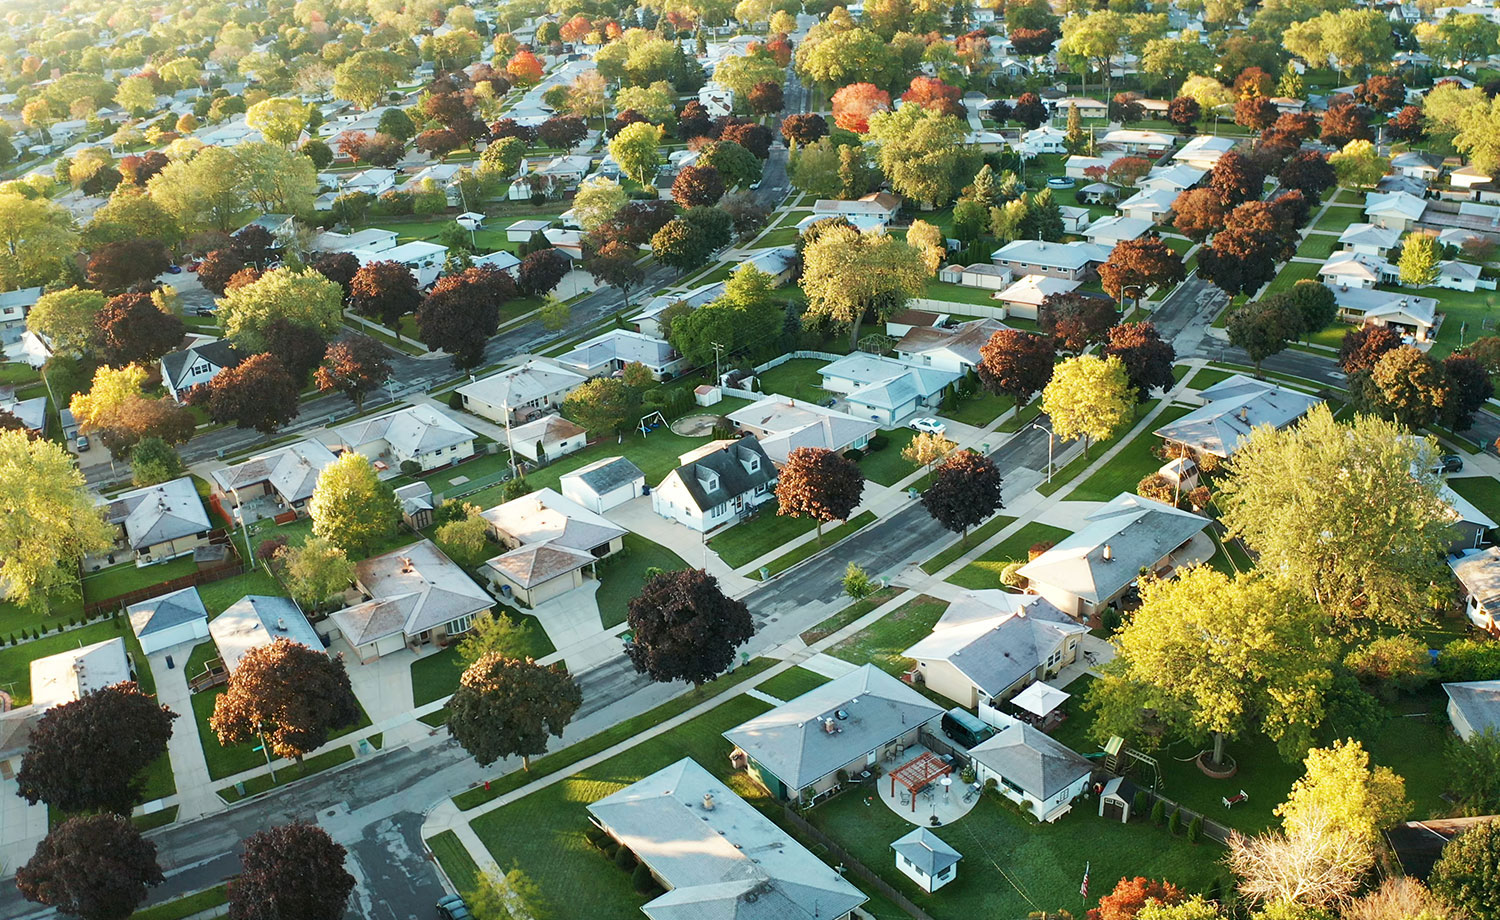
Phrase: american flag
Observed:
(1084, 888)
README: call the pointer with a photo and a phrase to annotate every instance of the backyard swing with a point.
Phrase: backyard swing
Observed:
(651, 422)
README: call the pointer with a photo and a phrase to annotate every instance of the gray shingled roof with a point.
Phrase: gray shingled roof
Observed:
(166, 611)
(218, 352)
(604, 476)
(1478, 700)
(728, 465)
(1031, 759)
(927, 851)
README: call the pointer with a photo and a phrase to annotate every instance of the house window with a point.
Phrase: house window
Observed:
(1012, 786)
(719, 510)
(461, 625)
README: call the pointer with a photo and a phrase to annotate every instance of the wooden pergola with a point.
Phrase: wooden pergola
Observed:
(918, 773)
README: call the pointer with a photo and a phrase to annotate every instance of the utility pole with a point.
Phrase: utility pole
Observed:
(717, 350)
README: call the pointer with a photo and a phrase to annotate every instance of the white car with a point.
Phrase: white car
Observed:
(927, 425)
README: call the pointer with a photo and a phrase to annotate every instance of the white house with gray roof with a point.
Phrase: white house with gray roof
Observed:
(885, 389)
(255, 621)
(949, 348)
(1085, 572)
(1369, 240)
(1397, 210)
(420, 434)
(284, 474)
(1407, 314)
(604, 484)
(715, 484)
(168, 620)
(196, 365)
(610, 352)
(548, 539)
(1072, 261)
(1231, 413)
(14, 306)
(159, 522)
(847, 725)
(1032, 770)
(783, 424)
(923, 857)
(1473, 706)
(520, 394)
(717, 857)
(414, 596)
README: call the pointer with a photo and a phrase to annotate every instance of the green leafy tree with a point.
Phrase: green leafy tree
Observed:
(1420, 255)
(602, 405)
(847, 274)
(637, 150)
(1088, 397)
(304, 297)
(923, 153)
(1464, 875)
(54, 523)
(316, 572)
(1264, 328)
(598, 199)
(199, 192)
(153, 460)
(507, 707)
(280, 120)
(37, 238)
(67, 319)
(466, 540)
(351, 508)
(1473, 769)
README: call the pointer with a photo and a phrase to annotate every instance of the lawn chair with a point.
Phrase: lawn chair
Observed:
(905, 797)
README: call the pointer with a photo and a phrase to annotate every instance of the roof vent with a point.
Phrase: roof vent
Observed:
(841, 715)
(281, 624)
(708, 801)
(1109, 553)
(1244, 413)
(406, 566)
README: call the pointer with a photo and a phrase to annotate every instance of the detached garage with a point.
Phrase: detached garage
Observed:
(604, 484)
(168, 620)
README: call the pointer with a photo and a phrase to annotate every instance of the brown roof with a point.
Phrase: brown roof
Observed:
(538, 563)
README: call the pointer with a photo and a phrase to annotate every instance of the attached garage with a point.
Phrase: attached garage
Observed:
(173, 619)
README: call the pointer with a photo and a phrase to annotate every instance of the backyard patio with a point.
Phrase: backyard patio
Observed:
(925, 789)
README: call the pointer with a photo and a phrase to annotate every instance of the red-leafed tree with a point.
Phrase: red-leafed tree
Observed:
(355, 366)
(820, 484)
(617, 264)
(854, 104)
(1127, 171)
(217, 268)
(541, 271)
(965, 491)
(127, 263)
(1346, 122)
(1299, 126)
(755, 138)
(1147, 359)
(934, 95)
(338, 267)
(1184, 112)
(766, 98)
(697, 185)
(299, 348)
(462, 312)
(1381, 92)
(803, 129)
(439, 141)
(1132, 894)
(1364, 345)
(1308, 172)
(1029, 111)
(1255, 112)
(509, 127)
(1197, 212)
(1135, 265)
(96, 867)
(1032, 42)
(694, 121)
(1469, 388)
(384, 291)
(575, 29)
(505, 707)
(290, 695)
(134, 330)
(685, 628)
(1126, 108)
(1253, 82)
(1235, 179)
(1240, 261)
(1408, 125)
(257, 393)
(138, 169)
(562, 131)
(1076, 320)
(290, 872)
(1017, 364)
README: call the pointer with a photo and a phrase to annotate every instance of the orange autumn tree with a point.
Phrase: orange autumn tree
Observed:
(854, 104)
(1132, 894)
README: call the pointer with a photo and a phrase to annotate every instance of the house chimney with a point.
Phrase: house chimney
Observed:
(281, 624)
(1109, 553)
(1244, 413)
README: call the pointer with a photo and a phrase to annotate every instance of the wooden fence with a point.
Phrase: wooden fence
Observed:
(864, 872)
(229, 568)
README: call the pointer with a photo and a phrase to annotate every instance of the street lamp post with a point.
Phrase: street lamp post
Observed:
(1049, 450)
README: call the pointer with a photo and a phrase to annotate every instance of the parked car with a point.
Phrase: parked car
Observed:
(83, 443)
(927, 425)
(1449, 463)
(204, 311)
(174, 269)
(453, 908)
(193, 266)
(1061, 182)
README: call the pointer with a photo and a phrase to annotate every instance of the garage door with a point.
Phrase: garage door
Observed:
(388, 644)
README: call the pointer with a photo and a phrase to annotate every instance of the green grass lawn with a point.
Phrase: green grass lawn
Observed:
(790, 684)
(980, 409)
(958, 293)
(1339, 218)
(830, 537)
(15, 660)
(797, 378)
(1483, 491)
(886, 466)
(436, 676)
(457, 864)
(1350, 196)
(883, 643)
(1065, 474)
(1134, 462)
(184, 907)
(622, 575)
(984, 572)
(1318, 246)
(553, 851)
(227, 761)
(849, 614)
(221, 595)
(126, 577)
(781, 236)
(1458, 308)
(290, 773)
(55, 614)
(1290, 274)
(754, 538)
(976, 536)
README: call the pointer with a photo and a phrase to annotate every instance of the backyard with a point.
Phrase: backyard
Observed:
(1483, 491)
(1338, 218)
(15, 660)
(797, 378)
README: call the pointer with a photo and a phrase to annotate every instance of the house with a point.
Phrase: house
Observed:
(1370, 240)
(1467, 177)
(565, 171)
(715, 855)
(1351, 269)
(847, 725)
(948, 348)
(1149, 205)
(1228, 416)
(1043, 140)
(373, 182)
(196, 365)
(255, 621)
(55, 680)
(923, 857)
(880, 206)
(608, 353)
(546, 438)
(885, 389)
(1417, 165)
(604, 484)
(1203, 151)
(423, 259)
(648, 321)
(1096, 193)
(990, 645)
(159, 522)
(1457, 276)
(521, 231)
(14, 306)
(715, 484)
(169, 620)
(1470, 528)
(782, 425)
(1024, 298)
(1408, 314)
(1078, 166)
(370, 239)
(910, 319)
(717, 98)
(1397, 210)
(31, 413)
(414, 596)
(1087, 108)
(1032, 770)
(1087, 571)
(1074, 220)
(1111, 231)
(780, 262)
(285, 474)
(1286, 105)
(500, 260)
(1072, 261)
(1178, 177)
(567, 242)
(520, 394)
(412, 434)
(1133, 141)
(1473, 706)
(1478, 574)
(548, 539)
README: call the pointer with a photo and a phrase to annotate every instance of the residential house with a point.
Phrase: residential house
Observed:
(445, 177)
(1286, 105)
(1074, 220)
(417, 434)
(1073, 261)
(158, 522)
(1087, 108)
(1478, 574)
(373, 182)
(1178, 177)
(567, 242)
(286, 475)
(909, 319)
(780, 262)
(520, 394)
(1032, 770)
(31, 413)
(196, 365)
(1089, 570)
(57, 679)
(648, 321)
(414, 596)
(423, 259)
(990, 645)
(1232, 409)
(1468, 526)
(948, 348)
(565, 171)
(169, 620)
(1417, 165)
(1111, 231)
(1467, 177)
(715, 855)
(548, 541)
(847, 725)
(1203, 151)
(923, 857)
(864, 223)
(1134, 142)
(1354, 270)
(717, 98)
(715, 484)
(1370, 240)
(605, 354)
(885, 389)
(1024, 298)
(1408, 314)
(1458, 276)
(1078, 166)
(1043, 140)
(1473, 706)
(1397, 210)
(782, 425)
(604, 484)
(881, 206)
(521, 231)
(547, 438)
(1150, 205)
(14, 306)
(255, 621)
(500, 260)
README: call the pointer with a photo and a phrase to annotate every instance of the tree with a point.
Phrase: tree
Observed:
(766, 98)
(1390, 666)
(1469, 388)
(291, 696)
(934, 95)
(524, 68)
(1236, 179)
(462, 312)
(1471, 767)
(508, 706)
(499, 634)
(316, 571)
(636, 149)
(1359, 164)
(1135, 265)
(1213, 657)
(1132, 894)
(55, 522)
(562, 131)
(1076, 320)
(1406, 386)
(803, 129)
(697, 186)
(502, 158)
(927, 448)
(1314, 303)
(541, 271)
(351, 508)
(366, 76)
(857, 583)
(290, 872)
(96, 867)
(137, 96)
(856, 103)
(1309, 172)
(126, 263)
(355, 366)
(820, 484)
(133, 330)
(301, 297)
(1340, 785)
(1361, 530)
(965, 491)
(338, 267)
(1088, 397)
(66, 319)
(847, 274)
(1197, 213)
(1363, 346)
(1264, 328)
(1420, 255)
(384, 291)
(1147, 359)
(1255, 112)
(110, 389)
(923, 153)
(280, 120)
(1321, 867)
(257, 393)
(685, 628)
(683, 244)
(152, 460)
(1016, 363)
(1183, 112)
(37, 238)
(1408, 125)
(597, 200)
(601, 405)
(928, 240)
(89, 754)
(1462, 875)
(1029, 111)
(218, 267)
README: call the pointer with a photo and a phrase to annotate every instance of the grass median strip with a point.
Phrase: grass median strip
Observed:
(976, 536)
(810, 548)
(185, 906)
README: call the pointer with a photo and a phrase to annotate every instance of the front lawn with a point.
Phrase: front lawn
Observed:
(1207, 377)
(884, 641)
(980, 408)
(1483, 491)
(984, 572)
(622, 575)
(831, 535)
(436, 676)
(1290, 274)
(1465, 314)
(457, 864)
(1338, 218)
(790, 684)
(1063, 475)
(976, 536)
(762, 534)
(960, 294)
(1318, 246)
(886, 466)
(1135, 461)
(227, 761)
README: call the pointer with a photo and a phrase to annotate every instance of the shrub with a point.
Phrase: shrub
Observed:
(842, 777)
(452, 509)
(1159, 813)
(455, 400)
(1010, 575)
(990, 785)
(852, 455)
(642, 879)
(1174, 823)
(594, 835)
(624, 858)
(1391, 666)
(1195, 829)
(1141, 803)
(269, 547)
(610, 848)
(1469, 659)
(1199, 497)
(410, 467)
(1109, 620)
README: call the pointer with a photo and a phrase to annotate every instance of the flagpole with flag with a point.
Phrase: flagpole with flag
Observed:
(1083, 890)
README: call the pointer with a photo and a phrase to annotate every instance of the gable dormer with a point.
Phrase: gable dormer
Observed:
(750, 460)
(707, 478)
